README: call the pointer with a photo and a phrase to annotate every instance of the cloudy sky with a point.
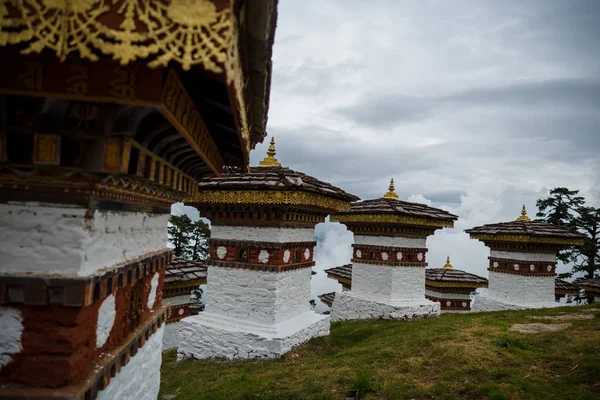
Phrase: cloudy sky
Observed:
(473, 106)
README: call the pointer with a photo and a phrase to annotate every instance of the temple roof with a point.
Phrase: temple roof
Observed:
(528, 228)
(450, 275)
(564, 286)
(590, 284)
(327, 298)
(182, 270)
(343, 272)
(400, 207)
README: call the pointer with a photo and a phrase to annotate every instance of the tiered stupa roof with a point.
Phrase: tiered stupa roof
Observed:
(270, 183)
(525, 230)
(448, 276)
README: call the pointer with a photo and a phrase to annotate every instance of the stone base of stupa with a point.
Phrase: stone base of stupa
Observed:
(482, 303)
(210, 335)
(349, 306)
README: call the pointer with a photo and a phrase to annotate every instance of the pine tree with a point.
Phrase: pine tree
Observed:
(200, 236)
(180, 235)
(588, 257)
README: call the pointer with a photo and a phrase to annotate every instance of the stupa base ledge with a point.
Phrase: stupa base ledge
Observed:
(350, 306)
(210, 335)
(486, 303)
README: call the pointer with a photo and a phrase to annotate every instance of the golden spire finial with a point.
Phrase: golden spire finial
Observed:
(523, 216)
(391, 194)
(270, 160)
(448, 265)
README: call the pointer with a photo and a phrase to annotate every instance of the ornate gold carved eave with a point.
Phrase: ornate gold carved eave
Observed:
(489, 238)
(269, 197)
(391, 219)
(200, 33)
(455, 284)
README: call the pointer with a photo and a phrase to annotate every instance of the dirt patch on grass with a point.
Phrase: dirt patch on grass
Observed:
(536, 327)
(566, 317)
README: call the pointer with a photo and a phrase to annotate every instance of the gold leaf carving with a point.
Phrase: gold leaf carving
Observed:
(392, 219)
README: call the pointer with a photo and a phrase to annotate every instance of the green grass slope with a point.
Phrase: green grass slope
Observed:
(457, 356)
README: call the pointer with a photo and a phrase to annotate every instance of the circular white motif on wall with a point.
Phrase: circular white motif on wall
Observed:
(516, 267)
(153, 288)
(399, 256)
(106, 320)
(263, 256)
(358, 253)
(286, 256)
(464, 303)
(10, 334)
(306, 254)
(549, 268)
(384, 256)
(448, 303)
(180, 312)
(495, 264)
(420, 256)
(221, 252)
(532, 267)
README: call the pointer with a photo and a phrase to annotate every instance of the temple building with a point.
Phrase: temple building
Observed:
(452, 288)
(563, 289)
(182, 277)
(110, 112)
(591, 287)
(342, 274)
(257, 299)
(522, 262)
(389, 258)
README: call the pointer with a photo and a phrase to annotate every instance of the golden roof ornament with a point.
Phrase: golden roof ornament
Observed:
(391, 194)
(523, 216)
(270, 160)
(448, 265)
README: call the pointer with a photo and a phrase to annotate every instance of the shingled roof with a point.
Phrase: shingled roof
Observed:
(590, 284)
(327, 298)
(527, 228)
(182, 270)
(399, 207)
(343, 272)
(564, 287)
(273, 178)
(450, 275)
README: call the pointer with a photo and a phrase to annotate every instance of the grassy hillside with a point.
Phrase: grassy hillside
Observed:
(458, 356)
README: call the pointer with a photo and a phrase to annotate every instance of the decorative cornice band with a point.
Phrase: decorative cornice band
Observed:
(466, 285)
(522, 267)
(390, 248)
(388, 263)
(268, 197)
(261, 267)
(104, 370)
(74, 291)
(526, 239)
(263, 245)
(392, 219)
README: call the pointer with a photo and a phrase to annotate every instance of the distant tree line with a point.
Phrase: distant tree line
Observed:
(564, 207)
(189, 238)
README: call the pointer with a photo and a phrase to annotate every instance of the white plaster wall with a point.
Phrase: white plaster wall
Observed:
(372, 281)
(380, 282)
(515, 255)
(441, 295)
(140, 379)
(293, 294)
(408, 283)
(56, 239)
(390, 241)
(263, 234)
(483, 303)
(521, 290)
(241, 293)
(349, 306)
(172, 336)
(11, 330)
(257, 296)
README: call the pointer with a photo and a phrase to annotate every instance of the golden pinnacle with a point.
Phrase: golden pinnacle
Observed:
(270, 160)
(391, 194)
(523, 216)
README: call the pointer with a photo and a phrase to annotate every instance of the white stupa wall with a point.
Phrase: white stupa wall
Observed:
(71, 240)
(263, 234)
(520, 256)
(257, 296)
(386, 283)
(140, 378)
(526, 291)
